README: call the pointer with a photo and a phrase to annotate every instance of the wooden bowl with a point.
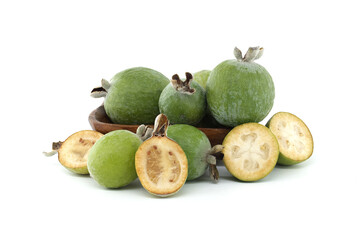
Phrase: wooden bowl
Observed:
(100, 122)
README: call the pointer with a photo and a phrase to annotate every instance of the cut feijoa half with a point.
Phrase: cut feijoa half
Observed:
(73, 152)
(250, 151)
(160, 162)
(294, 137)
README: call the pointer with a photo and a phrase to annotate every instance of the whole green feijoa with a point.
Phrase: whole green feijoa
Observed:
(183, 101)
(201, 77)
(111, 161)
(240, 91)
(196, 146)
(132, 96)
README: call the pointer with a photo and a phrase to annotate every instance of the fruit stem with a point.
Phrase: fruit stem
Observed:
(214, 173)
(252, 54)
(160, 126)
(99, 92)
(211, 160)
(55, 148)
(183, 86)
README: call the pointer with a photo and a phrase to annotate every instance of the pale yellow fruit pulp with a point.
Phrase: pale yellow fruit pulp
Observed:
(250, 151)
(161, 166)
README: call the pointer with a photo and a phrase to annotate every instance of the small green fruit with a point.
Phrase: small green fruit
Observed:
(240, 91)
(294, 137)
(111, 161)
(132, 96)
(201, 77)
(183, 101)
(196, 146)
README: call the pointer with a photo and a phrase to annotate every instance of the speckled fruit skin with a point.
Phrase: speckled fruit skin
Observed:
(195, 145)
(134, 95)
(183, 108)
(201, 77)
(239, 92)
(111, 161)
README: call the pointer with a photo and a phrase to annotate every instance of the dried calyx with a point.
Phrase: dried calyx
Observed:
(183, 86)
(144, 132)
(161, 125)
(252, 54)
(55, 148)
(99, 92)
(211, 160)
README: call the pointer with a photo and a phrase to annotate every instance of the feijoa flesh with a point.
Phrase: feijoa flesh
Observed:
(294, 137)
(160, 162)
(73, 152)
(250, 151)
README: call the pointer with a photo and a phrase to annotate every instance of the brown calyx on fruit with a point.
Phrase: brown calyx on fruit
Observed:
(161, 125)
(183, 86)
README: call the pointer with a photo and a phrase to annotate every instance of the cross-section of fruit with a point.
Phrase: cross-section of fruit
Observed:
(161, 164)
(73, 152)
(294, 137)
(250, 151)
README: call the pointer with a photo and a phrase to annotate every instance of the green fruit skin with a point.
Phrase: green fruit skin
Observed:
(195, 145)
(283, 160)
(111, 161)
(134, 95)
(286, 161)
(239, 92)
(201, 77)
(183, 108)
(83, 170)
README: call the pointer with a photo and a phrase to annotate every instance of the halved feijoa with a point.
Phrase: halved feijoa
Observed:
(73, 152)
(250, 151)
(294, 137)
(160, 163)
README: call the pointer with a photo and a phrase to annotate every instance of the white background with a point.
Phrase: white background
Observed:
(53, 53)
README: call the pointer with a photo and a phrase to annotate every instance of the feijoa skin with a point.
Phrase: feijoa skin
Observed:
(240, 91)
(295, 140)
(132, 96)
(196, 146)
(183, 101)
(111, 161)
(201, 77)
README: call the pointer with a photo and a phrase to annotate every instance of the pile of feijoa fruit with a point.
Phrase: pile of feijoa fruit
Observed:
(236, 94)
